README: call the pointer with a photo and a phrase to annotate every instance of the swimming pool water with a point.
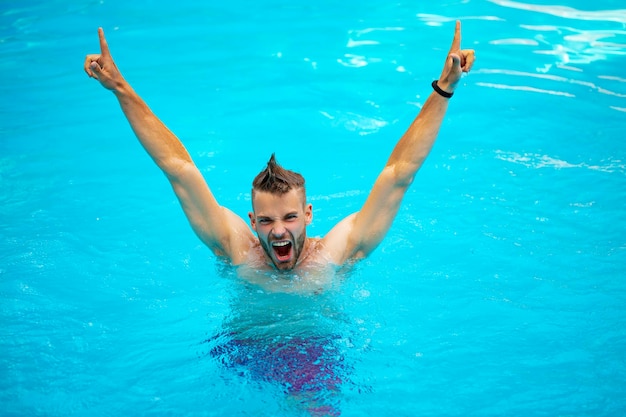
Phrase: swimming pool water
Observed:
(499, 290)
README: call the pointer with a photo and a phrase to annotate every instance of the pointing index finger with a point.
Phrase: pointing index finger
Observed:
(456, 42)
(104, 47)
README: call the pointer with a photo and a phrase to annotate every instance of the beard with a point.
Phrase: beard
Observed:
(295, 250)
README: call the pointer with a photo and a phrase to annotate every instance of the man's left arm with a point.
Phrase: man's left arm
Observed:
(360, 233)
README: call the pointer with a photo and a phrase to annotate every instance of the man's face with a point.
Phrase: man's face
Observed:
(280, 223)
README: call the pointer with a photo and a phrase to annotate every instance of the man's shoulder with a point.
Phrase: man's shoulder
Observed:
(322, 251)
(337, 242)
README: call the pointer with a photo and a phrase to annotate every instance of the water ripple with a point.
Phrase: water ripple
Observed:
(549, 77)
(439, 20)
(525, 88)
(536, 161)
(599, 40)
(567, 12)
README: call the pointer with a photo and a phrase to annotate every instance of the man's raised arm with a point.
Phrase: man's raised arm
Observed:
(225, 233)
(359, 234)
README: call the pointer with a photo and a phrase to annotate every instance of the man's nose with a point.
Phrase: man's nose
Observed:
(279, 230)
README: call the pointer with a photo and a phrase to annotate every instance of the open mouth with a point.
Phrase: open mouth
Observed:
(282, 250)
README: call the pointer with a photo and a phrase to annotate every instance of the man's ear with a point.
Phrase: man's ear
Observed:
(308, 214)
(252, 220)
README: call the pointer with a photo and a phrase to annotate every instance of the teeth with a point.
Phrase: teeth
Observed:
(280, 243)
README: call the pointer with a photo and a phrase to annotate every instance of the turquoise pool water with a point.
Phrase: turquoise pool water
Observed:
(499, 290)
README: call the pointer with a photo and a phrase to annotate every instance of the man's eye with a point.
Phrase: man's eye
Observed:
(292, 217)
(264, 221)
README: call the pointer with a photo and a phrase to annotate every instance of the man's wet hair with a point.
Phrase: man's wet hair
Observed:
(276, 179)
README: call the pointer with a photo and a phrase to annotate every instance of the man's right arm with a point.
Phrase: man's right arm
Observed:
(224, 232)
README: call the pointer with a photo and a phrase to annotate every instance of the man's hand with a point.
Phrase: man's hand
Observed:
(101, 66)
(458, 61)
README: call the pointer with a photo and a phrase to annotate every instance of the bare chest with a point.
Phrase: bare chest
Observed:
(313, 273)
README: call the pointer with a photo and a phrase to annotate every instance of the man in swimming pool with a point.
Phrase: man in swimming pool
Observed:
(280, 212)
